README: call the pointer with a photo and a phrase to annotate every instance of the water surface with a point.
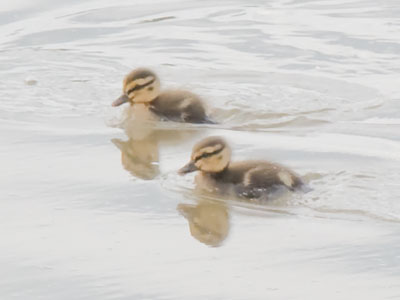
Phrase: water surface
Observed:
(89, 211)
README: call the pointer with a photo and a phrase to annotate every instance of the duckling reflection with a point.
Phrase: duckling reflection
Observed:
(139, 157)
(140, 153)
(209, 221)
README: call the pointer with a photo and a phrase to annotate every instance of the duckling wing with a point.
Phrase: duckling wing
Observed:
(268, 175)
(180, 106)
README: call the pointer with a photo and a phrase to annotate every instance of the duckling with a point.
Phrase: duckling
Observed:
(249, 179)
(142, 86)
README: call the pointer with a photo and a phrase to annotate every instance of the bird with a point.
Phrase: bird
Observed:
(246, 179)
(141, 88)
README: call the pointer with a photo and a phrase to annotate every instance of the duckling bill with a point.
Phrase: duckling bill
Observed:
(142, 86)
(249, 179)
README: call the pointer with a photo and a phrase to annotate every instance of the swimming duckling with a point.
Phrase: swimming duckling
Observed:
(142, 87)
(250, 179)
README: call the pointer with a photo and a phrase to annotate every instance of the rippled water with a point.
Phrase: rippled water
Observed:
(89, 211)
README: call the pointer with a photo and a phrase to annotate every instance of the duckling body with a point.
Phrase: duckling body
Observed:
(250, 179)
(179, 106)
(142, 86)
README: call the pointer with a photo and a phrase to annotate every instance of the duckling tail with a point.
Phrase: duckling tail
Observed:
(302, 187)
(305, 188)
(207, 120)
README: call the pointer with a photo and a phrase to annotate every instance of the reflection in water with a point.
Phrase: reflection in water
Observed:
(208, 221)
(140, 153)
(273, 70)
(139, 157)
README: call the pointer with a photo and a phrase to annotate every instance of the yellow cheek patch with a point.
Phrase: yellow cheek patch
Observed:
(144, 81)
(138, 82)
(212, 158)
(198, 164)
(207, 150)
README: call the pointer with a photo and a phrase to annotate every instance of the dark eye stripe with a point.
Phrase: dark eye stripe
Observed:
(138, 87)
(208, 154)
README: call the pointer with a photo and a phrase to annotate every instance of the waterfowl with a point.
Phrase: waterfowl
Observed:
(250, 179)
(141, 88)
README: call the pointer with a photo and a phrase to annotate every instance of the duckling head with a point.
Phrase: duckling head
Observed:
(210, 155)
(139, 86)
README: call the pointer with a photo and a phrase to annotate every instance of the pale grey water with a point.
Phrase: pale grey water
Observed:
(311, 84)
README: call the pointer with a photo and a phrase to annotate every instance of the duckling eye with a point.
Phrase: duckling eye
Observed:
(140, 86)
(205, 155)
